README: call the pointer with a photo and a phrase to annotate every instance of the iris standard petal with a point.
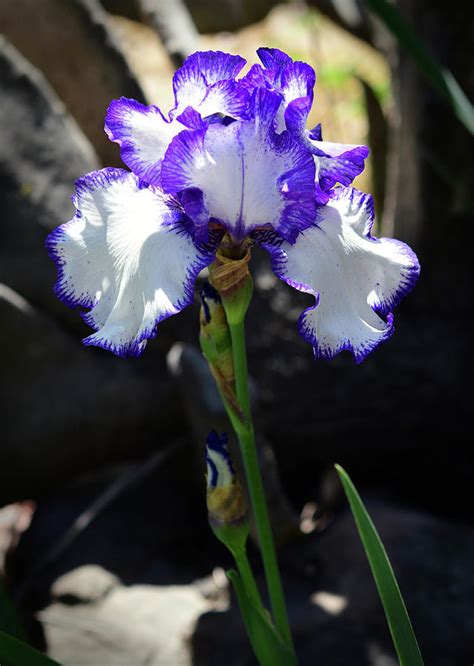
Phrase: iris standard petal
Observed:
(204, 86)
(273, 59)
(296, 86)
(356, 279)
(128, 255)
(243, 175)
(294, 81)
(335, 162)
(207, 80)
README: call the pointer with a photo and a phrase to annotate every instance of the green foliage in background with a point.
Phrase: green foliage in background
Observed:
(440, 77)
(14, 652)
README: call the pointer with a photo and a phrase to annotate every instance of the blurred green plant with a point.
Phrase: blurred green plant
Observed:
(334, 76)
(396, 613)
(9, 620)
(440, 77)
(14, 652)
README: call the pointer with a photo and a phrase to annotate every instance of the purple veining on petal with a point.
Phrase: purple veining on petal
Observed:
(293, 80)
(142, 133)
(297, 81)
(296, 114)
(361, 200)
(192, 201)
(337, 163)
(229, 98)
(340, 165)
(202, 72)
(212, 65)
(175, 179)
(249, 175)
(273, 58)
(256, 77)
(316, 133)
(191, 119)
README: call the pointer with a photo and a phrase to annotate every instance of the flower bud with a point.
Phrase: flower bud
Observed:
(214, 330)
(216, 343)
(225, 500)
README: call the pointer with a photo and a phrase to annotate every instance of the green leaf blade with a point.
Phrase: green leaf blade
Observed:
(396, 613)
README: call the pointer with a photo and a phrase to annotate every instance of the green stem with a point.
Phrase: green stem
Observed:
(245, 433)
(248, 578)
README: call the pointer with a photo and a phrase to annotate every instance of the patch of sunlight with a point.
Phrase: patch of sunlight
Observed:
(333, 604)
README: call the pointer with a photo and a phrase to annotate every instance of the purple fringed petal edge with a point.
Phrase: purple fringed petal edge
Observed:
(271, 242)
(95, 180)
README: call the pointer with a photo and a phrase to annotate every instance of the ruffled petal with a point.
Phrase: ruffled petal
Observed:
(356, 279)
(227, 98)
(336, 162)
(128, 256)
(294, 81)
(256, 77)
(143, 134)
(207, 80)
(297, 84)
(248, 175)
(273, 59)
(204, 86)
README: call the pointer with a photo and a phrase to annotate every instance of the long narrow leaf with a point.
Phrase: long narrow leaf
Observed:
(440, 77)
(16, 653)
(395, 610)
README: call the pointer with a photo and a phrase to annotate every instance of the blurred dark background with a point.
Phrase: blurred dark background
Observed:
(103, 537)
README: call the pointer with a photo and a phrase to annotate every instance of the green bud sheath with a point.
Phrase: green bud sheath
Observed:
(214, 329)
(216, 344)
(232, 280)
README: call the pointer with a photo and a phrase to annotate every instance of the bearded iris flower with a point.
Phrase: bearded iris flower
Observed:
(232, 160)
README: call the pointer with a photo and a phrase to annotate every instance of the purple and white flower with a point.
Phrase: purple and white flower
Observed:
(220, 470)
(225, 500)
(232, 157)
